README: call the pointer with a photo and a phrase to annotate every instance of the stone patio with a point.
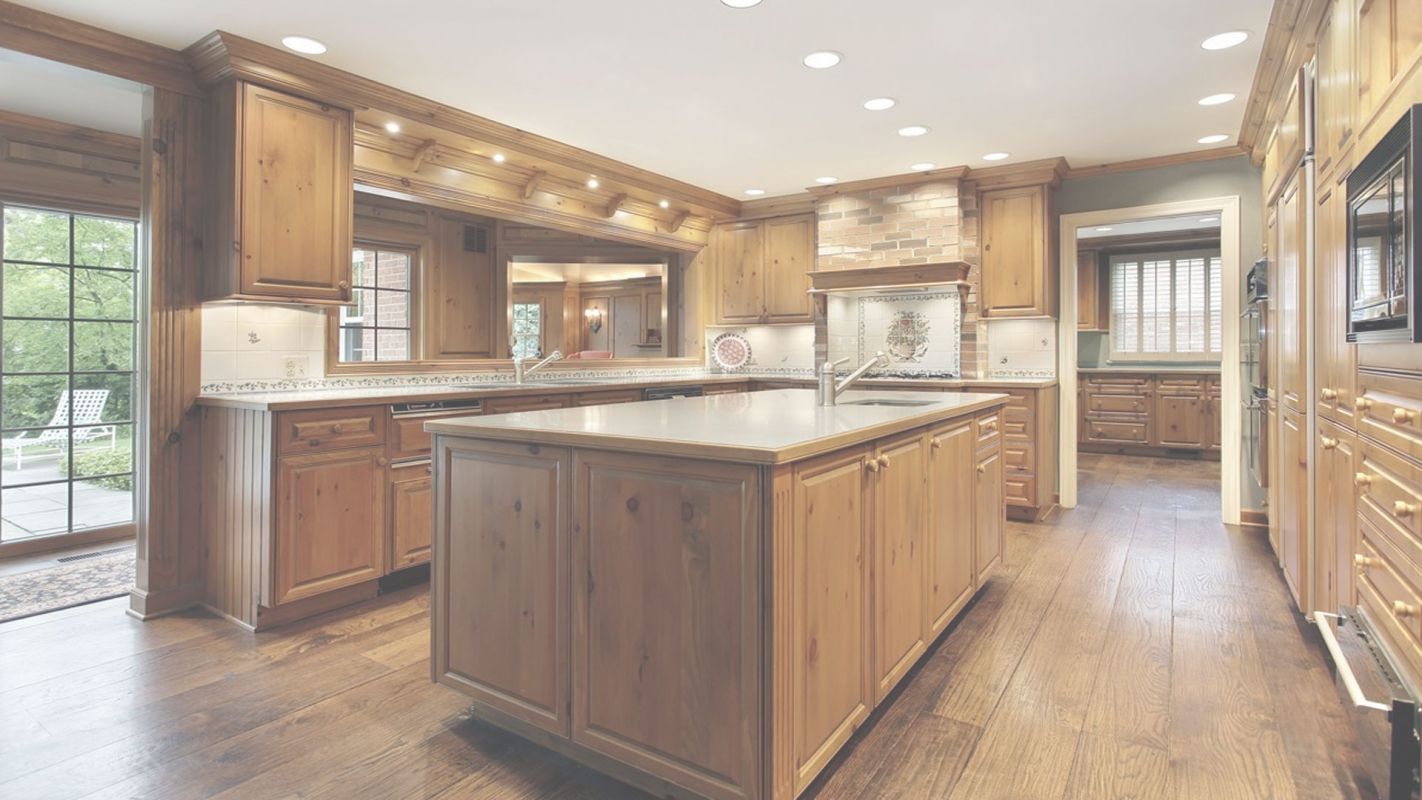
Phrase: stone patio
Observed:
(29, 510)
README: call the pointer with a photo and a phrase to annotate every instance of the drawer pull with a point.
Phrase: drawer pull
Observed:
(1402, 508)
(1362, 562)
(936, 442)
(1362, 404)
(982, 468)
(872, 465)
(990, 426)
(884, 462)
(1328, 442)
(1361, 479)
(1328, 394)
(337, 428)
(381, 461)
(1403, 416)
(1403, 610)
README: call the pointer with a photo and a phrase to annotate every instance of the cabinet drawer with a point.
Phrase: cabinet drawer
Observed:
(988, 429)
(314, 431)
(1016, 429)
(1123, 431)
(1389, 494)
(1117, 384)
(1390, 411)
(1018, 457)
(1019, 490)
(1178, 383)
(1018, 399)
(406, 437)
(1388, 590)
(609, 397)
(723, 388)
(506, 405)
(1117, 404)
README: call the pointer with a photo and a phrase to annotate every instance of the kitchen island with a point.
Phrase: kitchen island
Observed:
(707, 596)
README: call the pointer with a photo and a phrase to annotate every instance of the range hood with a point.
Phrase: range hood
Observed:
(877, 280)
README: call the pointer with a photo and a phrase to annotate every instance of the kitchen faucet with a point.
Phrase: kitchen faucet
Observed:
(828, 391)
(521, 372)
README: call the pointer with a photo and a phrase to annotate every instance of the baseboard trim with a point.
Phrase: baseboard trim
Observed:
(1253, 518)
(145, 605)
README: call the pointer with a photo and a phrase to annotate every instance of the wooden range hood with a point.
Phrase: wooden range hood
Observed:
(880, 279)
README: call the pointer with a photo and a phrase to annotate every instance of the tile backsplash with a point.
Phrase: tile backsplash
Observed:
(251, 341)
(774, 348)
(1022, 348)
(920, 331)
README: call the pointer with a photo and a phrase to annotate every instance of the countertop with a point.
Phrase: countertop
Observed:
(770, 427)
(396, 393)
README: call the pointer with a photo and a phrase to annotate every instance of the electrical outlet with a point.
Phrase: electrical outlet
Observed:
(295, 366)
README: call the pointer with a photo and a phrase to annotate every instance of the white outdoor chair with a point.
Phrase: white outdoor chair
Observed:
(88, 408)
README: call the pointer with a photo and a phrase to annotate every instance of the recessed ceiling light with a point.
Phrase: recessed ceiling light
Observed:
(1214, 138)
(593, 183)
(922, 166)
(880, 103)
(827, 180)
(304, 44)
(1103, 229)
(1216, 99)
(823, 59)
(996, 156)
(755, 192)
(913, 130)
(741, 3)
(1224, 41)
(392, 127)
(498, 158)
(667, 203)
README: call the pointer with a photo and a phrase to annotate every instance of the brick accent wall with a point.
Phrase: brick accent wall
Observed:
(919, 223)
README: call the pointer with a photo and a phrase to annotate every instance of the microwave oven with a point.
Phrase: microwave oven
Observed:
(1384, 245)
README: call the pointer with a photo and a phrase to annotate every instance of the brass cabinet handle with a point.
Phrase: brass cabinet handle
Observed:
(936, 442)
(872, 465)
(884, 461)
(1403, 416)
(1362, 403)
(1362, 562)
(345, 286)
(1360, 479)
(381, 461)
(1401, 609)
(982, 468)
(1328, 394)
(336, 428)
(1328, 442)
(1402, 508)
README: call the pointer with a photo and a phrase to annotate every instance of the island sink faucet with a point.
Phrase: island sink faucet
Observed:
(828, 391)
(521, 372)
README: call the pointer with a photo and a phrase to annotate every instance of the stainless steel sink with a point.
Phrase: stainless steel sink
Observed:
(889, 401)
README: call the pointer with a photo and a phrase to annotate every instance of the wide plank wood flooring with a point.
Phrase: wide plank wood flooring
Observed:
(1131, 648)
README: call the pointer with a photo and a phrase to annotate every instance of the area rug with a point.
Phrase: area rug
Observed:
(52, 588)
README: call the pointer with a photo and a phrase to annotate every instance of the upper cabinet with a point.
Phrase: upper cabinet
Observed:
(1019, 278)
(1093, 302)
(762, 270)
(283, 178)
(1335, 85)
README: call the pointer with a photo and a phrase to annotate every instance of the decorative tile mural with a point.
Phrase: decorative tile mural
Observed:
(920, 331)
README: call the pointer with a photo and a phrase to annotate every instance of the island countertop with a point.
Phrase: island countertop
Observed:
(770, 427)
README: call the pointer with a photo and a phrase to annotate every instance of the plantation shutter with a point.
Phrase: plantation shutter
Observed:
(1166, 307)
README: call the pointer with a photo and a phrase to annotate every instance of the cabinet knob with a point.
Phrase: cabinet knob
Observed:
(381, 461)
(345, 286)
(1402, 508)
(1328, 442)
(336, 428)
(872, 465)
(1362, 403)
(1403, 416)
(1328, 394)
(1401, 609)
(936, 442)
(884, 461)
(1361, 479)
(982, 468)
(1362, 562)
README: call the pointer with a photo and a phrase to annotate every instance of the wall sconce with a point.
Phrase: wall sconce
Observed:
(594, 315)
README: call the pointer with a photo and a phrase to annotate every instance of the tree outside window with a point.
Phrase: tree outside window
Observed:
(378, 325)
(527, 330)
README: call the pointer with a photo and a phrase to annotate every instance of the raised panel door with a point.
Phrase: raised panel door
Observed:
(1336, 528)
(1015, 273)
(1293, 505)
(1335, 359)
(462, 308)
(990, 517)
(789, 257)
(1374, 58)
(950, 527)
(411, 512)
(1292, 329)
(1180, 419)
(330, 528)
(740, 277)
(296, 197)
(900, 533)
(832, 683)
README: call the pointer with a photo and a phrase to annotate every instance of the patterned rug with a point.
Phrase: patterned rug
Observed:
(74, 584)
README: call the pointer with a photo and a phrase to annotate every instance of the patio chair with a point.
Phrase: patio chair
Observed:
(88, 408)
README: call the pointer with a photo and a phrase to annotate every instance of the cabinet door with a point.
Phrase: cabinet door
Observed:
(296, 197)
(500, 581)
(1293, 509)
(1291, 328)
(462, 309)
(1017, 279)
(1374, 54)
(832, 686)
(789, 257)
(990, 514)
(1180, 419)
(1092, 304)
(411, 507)
(950, 526)
(740, 277)
(900, 533)
(1335, 92)
(1335, 359)
(330, 528)
(1337, 520)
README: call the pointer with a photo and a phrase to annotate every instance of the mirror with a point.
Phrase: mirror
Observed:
(588, 311)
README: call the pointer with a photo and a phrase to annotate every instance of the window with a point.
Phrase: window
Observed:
(68, 321)
(527, 330)
(377, 326)
(1166, 307)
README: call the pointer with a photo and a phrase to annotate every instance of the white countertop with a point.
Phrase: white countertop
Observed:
(761, 427)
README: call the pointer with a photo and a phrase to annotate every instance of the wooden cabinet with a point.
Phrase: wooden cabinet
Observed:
(952, 517)
(1335, 360)
(463, 316)
(536, 402)
(1181, 416)
(1292, 330)
(1133, 411)
(281, 229)
(411, 505)
(1293, 480)
(1093, 297)
(990, 524)
(762, 270)
(1335, 85)
(900, 540)
(330, 522)
(1336, 528)
(1019, 275)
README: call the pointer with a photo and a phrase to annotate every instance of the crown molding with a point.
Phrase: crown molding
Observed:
(1156, 162)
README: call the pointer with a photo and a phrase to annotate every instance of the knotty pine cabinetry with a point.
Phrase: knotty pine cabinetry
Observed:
(1019, 271)
(281, 173)
(1093, 296)
(1138, 410)
(868, 553)
(762, 268)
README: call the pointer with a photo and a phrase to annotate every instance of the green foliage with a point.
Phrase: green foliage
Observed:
(103, 462)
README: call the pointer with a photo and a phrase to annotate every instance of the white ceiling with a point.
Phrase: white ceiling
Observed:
(42, 88)
(1187, 222)
(718, 97)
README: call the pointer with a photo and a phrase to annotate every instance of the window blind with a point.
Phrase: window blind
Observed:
(1166, 306)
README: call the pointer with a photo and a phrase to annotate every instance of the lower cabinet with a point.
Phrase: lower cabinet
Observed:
(901, 511)
(1335, 529)
(1292, 480)
(411, 504)
(330, 529)
(1133, 410)
(990, 521)
(951, 577)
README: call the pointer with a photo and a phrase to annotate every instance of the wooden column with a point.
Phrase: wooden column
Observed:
(170, 568)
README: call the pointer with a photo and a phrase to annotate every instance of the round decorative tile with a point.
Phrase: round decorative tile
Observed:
(730, 351)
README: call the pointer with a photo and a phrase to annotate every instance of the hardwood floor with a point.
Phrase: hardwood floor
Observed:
(1133, 647)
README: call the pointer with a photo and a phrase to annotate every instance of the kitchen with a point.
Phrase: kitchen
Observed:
(444, 457)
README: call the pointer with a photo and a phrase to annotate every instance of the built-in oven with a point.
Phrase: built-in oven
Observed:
(1384, 245)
